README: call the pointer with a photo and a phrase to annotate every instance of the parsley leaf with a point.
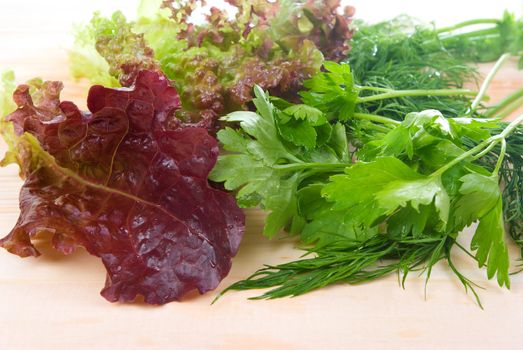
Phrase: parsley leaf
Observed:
(480, 194)
(332, 92)
(489, 243)
(273, 155)
(481, 200)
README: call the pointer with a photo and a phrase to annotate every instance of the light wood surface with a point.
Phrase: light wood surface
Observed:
(52, 302)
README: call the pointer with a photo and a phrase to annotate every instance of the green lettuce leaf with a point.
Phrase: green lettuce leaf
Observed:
(7, 105)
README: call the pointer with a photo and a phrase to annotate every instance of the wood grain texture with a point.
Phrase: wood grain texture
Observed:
(53, 303)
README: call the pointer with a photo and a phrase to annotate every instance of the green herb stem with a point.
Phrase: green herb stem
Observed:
(377, 127)
(304, 166)
(404, 93)
(376, 118)
(484, 152)
(472, 34)
(478, 148)
(487, 81)
(509, 129)
(294, 159)
(510, 109)
(462, 157)
(373, 88)
(500, 157)
(507, 105)
(467, 24)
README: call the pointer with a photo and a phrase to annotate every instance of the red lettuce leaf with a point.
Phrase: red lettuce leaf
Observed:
(125, 184)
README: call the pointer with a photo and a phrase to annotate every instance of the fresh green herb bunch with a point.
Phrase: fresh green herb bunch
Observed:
(511, 176)
(404, 193)
(215, 64)
(405, 54)
(485, 39)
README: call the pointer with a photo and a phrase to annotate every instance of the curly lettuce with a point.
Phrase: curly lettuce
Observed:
(276, 45)
(125, 184)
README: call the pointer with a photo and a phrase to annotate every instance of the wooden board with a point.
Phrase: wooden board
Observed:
(53, 303)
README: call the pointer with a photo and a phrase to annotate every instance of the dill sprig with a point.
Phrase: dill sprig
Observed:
(353, 262)
(405, 54)
(402, 54)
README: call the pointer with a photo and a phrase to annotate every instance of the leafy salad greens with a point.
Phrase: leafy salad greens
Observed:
(362, 140)
(404, 192)
(427, 160)
(274, 44)
(122, 183)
